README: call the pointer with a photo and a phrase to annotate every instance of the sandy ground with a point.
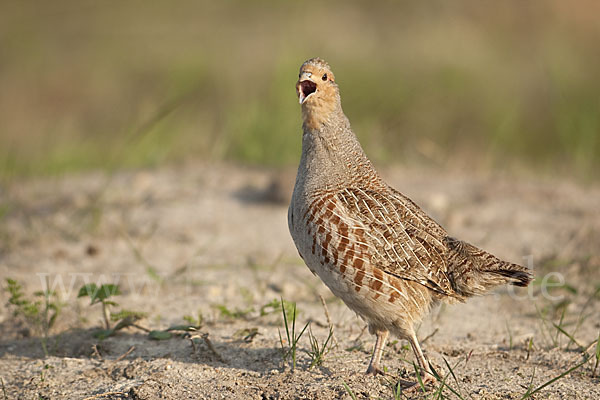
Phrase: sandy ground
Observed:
(192, 239)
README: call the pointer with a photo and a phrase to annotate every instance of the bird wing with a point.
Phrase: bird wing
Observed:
(403, 240)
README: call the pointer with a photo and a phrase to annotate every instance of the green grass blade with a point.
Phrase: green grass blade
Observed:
(350, 392)
(419, 380)
(567, 334)
(529, 393)
(597, 355)
(293, 321)
(285, 321)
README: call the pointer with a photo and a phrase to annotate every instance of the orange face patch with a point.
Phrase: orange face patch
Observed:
(317, 92)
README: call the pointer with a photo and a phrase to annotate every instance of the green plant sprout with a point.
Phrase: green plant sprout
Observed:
(123, 318)
(292, 338)
(317, 351)
(101, 295)
(40, 315)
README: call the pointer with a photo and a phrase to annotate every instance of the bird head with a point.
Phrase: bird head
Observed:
(315, 82)
(317, 91)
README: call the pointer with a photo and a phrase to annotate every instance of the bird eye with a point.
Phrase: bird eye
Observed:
(324, 77)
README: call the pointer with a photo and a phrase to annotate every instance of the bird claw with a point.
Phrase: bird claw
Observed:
(374, 371)
(410, 386)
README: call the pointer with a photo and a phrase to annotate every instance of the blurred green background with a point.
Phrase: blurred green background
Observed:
(510, 85)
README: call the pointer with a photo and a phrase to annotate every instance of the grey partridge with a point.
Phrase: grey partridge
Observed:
(372, 246)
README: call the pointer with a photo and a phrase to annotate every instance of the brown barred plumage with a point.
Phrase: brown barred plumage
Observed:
(371, 245)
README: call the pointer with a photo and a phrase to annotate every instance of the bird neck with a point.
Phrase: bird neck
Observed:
(318, 111)
(333, 158)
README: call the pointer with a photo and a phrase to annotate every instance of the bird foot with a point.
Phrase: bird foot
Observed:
(374, 371)
(410, 386)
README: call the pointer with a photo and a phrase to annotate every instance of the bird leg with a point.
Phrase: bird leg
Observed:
(377, 352)
(424, 370)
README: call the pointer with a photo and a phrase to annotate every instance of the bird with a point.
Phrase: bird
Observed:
(372, 246)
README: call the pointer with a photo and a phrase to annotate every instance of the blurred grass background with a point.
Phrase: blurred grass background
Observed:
(471, 84)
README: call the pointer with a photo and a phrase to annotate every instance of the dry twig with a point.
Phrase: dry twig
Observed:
(209, 344)
(328, 319)
(122, 356)
(430, 335)
(105, 394)
(96, 352)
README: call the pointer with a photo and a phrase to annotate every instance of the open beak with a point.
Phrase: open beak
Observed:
(305, 88)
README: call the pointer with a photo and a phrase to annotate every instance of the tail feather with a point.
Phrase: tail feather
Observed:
(474, 271)
(517, 274)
